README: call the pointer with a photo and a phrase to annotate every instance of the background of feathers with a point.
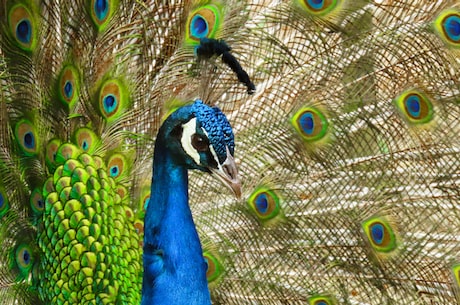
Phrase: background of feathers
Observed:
(368, 162)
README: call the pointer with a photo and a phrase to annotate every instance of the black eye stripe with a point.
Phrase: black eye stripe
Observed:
(177, 132)
(212, 162)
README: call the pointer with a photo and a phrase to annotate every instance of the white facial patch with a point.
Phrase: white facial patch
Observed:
(189, 129)
(213, 152)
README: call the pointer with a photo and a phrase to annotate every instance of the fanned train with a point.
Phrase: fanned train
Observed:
(322, 139)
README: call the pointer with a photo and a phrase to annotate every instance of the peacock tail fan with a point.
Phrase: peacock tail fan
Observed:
(348, 148)
(69, 90)
(350, 145)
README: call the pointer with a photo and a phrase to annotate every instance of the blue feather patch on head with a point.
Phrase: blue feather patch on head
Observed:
(217, 126)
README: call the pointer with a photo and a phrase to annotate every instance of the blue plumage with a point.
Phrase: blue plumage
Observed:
(217, 126)
(174, 267)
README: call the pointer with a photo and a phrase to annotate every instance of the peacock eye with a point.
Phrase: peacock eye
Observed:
(200, 143)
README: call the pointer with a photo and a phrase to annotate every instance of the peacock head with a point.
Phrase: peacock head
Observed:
(200, 137)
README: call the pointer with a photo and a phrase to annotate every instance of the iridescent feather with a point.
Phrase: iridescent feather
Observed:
(347, 149)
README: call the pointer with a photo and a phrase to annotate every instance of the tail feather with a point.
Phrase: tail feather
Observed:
(385, 234)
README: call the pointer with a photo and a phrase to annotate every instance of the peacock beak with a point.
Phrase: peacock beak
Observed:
(228, 174)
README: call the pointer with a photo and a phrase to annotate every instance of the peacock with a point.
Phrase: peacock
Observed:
(230, 152)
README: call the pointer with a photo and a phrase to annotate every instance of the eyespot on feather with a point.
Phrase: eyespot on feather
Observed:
(68, 86)
(23, 27)
(37, 202)
(146, 201)
(101, 12)
(24, 259)
(415, 106)
(202, 22)
(86, 139)
(50, 154)
(310, 123)
(447, 27)
(321, 300)
(26, 137)
(113, 99)
(318, 7)
(117, 166)
(4, 204)
(265, 203)
(215, 269)
(139, 227)
(380, 235)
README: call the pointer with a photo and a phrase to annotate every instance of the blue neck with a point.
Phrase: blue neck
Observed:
(174, 268)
